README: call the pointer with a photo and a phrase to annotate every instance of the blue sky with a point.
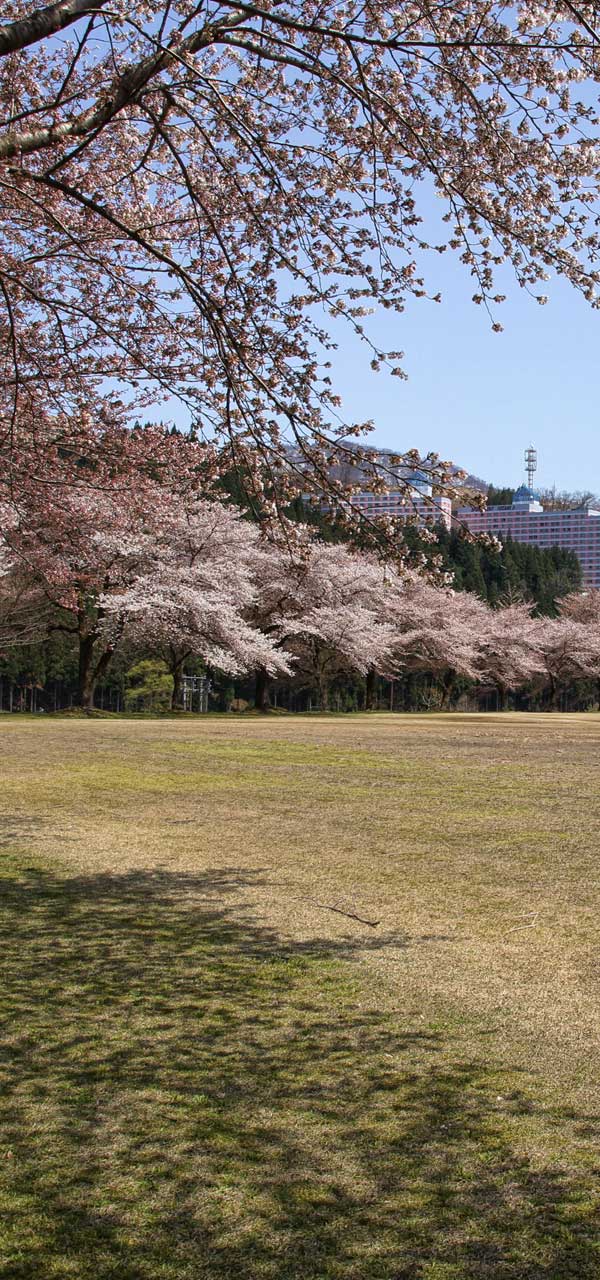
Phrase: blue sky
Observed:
(476, 397)
(479, 397)
(473, 396)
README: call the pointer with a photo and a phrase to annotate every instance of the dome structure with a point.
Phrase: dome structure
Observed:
(525, 499)
(419, 481)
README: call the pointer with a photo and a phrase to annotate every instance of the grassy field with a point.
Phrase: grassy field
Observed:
(300, 999)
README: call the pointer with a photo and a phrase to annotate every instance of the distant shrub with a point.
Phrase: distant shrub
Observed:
(149, 687)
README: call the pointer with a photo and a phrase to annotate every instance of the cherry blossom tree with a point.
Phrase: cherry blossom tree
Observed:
(437, 630)
(73, 556)
(81, 516)
(583, 607)
(324, 604)
(94, 448)
(508, 648)
(283, 566)
(126, 556)
(23, 610)
(569, 649)
(193, 195)
(195, 593)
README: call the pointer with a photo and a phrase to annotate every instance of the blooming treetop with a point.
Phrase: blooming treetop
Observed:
(196, 590)
(93, 544)
(508, 651)
(568, 649)
(581, 606)
(327, 606)
(192, 194)
(144, 562)
(437, 629)
(23, 611)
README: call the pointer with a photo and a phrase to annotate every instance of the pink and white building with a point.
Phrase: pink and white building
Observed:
(526, 521)
(415, 501)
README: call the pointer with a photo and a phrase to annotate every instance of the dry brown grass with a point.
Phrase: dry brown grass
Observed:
(472, 842)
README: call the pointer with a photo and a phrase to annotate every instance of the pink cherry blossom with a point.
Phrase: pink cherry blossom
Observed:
(194, 196)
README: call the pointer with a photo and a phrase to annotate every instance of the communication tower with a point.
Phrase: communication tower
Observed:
(530, 464)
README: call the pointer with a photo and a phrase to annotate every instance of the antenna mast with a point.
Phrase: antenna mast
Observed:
(530, 464)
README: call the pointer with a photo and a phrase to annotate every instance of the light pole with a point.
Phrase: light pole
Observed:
(530, 464)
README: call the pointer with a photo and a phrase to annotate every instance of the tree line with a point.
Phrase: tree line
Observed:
(152, 570)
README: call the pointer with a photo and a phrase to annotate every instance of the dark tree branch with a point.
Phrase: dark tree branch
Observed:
(42, 23)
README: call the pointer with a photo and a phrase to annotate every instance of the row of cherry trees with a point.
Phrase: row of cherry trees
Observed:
(188, 577)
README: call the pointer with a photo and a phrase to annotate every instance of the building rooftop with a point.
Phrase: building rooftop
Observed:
(525, 500)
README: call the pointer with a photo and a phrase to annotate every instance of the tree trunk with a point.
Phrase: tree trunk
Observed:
(91, 670)
(447, 685)
(323, 694)
(177, 674)
(261, 690)
(176, 662)
(370, 689)
(86, 682)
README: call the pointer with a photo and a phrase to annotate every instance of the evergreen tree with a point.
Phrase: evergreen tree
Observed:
(499, 497)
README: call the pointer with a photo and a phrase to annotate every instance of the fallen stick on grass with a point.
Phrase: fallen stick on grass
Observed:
(324, 906)
(530, 925)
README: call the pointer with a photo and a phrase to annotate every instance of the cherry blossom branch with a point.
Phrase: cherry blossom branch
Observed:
(39, 24)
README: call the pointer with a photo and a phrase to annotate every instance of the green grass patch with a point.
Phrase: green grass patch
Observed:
(184, 1097)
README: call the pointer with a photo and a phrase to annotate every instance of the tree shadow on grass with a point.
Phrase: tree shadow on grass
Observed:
(183, 1096)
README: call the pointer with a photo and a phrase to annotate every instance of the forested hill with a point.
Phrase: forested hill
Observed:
(542, 575)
